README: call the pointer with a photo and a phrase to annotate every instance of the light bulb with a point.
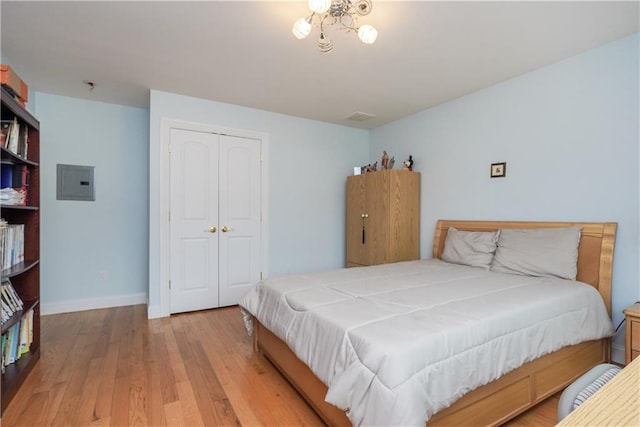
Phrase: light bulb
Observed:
(302, 27)
(367, 34)
(319, 6)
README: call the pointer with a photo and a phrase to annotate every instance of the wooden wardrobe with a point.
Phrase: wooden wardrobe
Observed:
(383, 217)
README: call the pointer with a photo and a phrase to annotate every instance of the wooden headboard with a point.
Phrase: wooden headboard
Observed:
(595, 252)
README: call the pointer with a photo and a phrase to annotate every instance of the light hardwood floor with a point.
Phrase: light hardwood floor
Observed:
(113, 367)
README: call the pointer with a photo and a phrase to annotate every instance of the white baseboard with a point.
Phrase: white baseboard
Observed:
(617, 353)
(153, 312)
(92, 303)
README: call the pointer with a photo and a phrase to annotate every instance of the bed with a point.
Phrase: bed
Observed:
(360, 382)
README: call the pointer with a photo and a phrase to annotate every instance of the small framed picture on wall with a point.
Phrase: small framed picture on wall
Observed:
(498, 170)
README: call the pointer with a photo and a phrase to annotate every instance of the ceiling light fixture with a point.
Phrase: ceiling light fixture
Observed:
(343, 14)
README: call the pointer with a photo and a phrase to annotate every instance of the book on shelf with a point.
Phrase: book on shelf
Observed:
(14, 135)
(20, 176)
(7, 312)
(6, 344)
(17, 340)
(2, 343)
(29, 317)
(6, 174)
(14, 176)
(11, 245)
(10, 297)
(5, 129)
(8, 302)
(25, 327)
(23, 142)
(13, 294)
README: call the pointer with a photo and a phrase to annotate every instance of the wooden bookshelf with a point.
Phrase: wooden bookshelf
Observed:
(24, 276)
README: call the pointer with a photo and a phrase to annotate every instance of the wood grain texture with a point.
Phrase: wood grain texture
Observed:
(490, 405)
(391, 200)
(404, 216)
(632, 337)
(617, 403)
(113, 367)
(157, 389)
(356, 199)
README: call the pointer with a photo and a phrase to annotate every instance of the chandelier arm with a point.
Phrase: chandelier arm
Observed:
(349, 26)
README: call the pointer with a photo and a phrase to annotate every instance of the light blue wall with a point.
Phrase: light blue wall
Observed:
(569, 133)
(93, 250)
(308, 165)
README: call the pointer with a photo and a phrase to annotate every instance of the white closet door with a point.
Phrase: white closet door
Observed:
(240, 216)
(194, 211)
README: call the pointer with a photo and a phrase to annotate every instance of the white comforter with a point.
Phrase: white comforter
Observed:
(396, 343)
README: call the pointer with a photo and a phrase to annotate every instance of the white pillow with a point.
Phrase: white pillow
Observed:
(472, 248)
(542, 252)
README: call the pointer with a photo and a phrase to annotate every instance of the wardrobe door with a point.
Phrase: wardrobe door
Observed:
(404, 216)
(356, 221)
(377, 202)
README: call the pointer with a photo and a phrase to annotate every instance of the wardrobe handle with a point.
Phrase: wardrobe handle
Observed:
(224, 229)
(364, 216)
(212, 229)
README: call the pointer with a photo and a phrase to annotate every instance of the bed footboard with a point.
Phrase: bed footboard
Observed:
(299, 375)
(490, 405)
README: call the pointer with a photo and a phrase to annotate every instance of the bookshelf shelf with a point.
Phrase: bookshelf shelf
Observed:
(24, 276)
(12, 158)
(19, 268)
(17, 316)
(19, 207)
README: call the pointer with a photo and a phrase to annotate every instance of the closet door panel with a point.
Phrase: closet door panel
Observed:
(193, 210)
(240, 217)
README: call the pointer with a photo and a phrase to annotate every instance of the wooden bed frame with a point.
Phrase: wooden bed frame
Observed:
(513, 393)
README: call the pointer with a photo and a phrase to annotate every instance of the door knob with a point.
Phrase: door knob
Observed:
(212, 229)
(224, 229)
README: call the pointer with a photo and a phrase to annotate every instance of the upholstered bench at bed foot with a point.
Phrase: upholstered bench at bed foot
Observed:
(586, 385)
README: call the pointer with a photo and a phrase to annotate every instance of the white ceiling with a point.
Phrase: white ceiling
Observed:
(243, 52)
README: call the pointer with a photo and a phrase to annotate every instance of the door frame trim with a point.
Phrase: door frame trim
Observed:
(166, 125)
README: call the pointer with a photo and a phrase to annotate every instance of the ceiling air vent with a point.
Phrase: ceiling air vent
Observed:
(359, 116)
